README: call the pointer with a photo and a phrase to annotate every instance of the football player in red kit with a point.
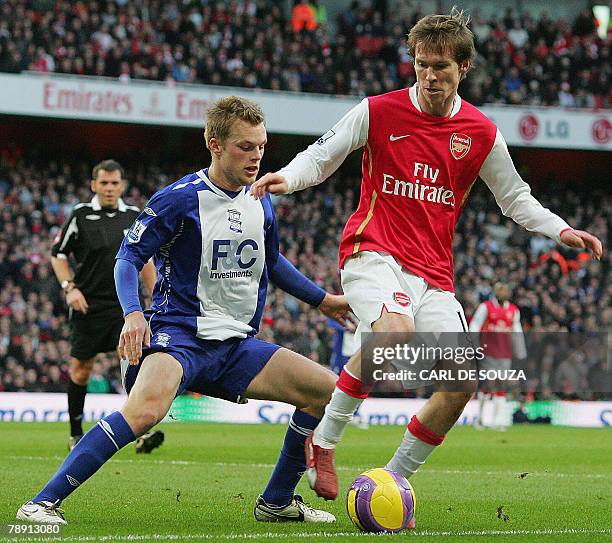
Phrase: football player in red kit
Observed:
(423, 149)
(499, 322)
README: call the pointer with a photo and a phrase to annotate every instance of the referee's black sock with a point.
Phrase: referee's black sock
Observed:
(76, 402)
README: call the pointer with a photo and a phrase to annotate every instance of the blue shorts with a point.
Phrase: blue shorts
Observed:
(222, 369)
(337, 362)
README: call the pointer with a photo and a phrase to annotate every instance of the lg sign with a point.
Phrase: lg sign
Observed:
(601, 130)
(528, 127)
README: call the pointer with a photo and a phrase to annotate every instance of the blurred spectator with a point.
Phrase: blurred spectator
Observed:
(98, 383)
(571, 377)
(320, 12)
(303, 16)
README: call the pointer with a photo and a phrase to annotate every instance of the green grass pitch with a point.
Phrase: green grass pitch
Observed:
(553, 484)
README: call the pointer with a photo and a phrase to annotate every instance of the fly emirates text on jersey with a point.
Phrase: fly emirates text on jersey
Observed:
(418, 189)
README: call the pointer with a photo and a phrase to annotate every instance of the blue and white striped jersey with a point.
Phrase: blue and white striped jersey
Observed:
(214, 251)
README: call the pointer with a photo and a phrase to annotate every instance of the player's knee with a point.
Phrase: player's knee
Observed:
(314, 402)
(146, 420)
(395, 323)
(318, 404)
(314, 410)
(79, 373)
(144, 417)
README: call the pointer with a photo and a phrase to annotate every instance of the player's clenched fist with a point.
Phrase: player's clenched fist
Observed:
(135, 331)
(273, 183)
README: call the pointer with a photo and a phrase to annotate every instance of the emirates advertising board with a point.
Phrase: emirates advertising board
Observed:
(70, 97)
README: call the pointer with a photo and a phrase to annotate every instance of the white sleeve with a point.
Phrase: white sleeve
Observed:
(479, 318)
(513, 195)
(519, 348)
(324, 157)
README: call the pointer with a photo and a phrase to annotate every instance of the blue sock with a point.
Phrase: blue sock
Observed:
(108, 436)
(291, 463)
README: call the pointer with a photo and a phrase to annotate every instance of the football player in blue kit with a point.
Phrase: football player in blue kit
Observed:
(215, 248)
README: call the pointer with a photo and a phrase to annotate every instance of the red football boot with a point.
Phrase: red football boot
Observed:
(320, 470)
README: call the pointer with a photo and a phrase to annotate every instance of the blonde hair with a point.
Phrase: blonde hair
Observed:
(221, 116)
(444, 33)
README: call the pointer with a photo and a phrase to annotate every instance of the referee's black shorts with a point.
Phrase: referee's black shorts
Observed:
(96, 332)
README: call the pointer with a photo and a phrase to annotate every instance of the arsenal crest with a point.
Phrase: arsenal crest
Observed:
(402, 299)
(460, 145)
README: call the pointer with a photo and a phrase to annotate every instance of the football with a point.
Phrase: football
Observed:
(380, 500)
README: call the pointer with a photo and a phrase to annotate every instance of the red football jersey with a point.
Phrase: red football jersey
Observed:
(418, 170)
(496, 332)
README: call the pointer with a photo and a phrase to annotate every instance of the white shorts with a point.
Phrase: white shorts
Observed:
(372, 281)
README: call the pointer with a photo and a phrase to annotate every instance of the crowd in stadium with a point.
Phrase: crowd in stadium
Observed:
(556, 289)
(521, 59)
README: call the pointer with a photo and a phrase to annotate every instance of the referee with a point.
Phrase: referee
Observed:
(92, 235)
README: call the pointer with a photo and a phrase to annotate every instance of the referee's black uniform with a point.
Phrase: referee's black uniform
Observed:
(92, 235)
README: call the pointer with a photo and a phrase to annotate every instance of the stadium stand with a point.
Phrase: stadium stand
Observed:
(255, 44)
(556, 289)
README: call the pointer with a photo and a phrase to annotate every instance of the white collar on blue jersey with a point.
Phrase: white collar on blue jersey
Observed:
(203, 175)
(95, 204)
(415, 101)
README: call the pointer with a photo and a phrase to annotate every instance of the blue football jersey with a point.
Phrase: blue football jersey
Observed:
(212, 249)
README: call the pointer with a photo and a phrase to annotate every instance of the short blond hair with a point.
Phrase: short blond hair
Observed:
(221, 116)
(444, 33)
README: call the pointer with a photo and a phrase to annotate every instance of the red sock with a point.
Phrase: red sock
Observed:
(423, 433)
(352, 386)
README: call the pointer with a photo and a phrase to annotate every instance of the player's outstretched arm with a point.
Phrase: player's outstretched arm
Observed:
(287, 277)
(274, 183)
(579, 239)
(321, 159)
(514, 198)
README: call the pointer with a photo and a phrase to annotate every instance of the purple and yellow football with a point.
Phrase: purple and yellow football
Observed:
(380, 500)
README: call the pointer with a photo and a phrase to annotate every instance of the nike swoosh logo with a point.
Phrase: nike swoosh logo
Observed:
(299, 516)
(395, 138)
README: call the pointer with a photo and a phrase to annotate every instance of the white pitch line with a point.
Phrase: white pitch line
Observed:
(339, 468)
(304, 535)
(500, 472)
